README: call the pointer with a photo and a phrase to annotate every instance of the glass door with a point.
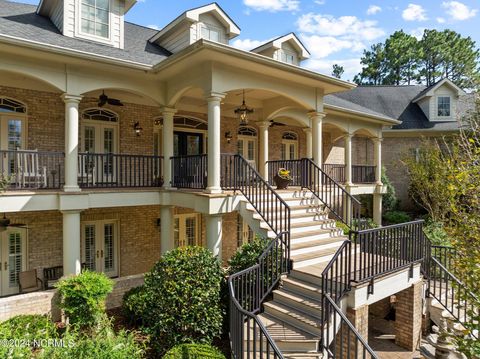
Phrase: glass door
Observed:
(13, 259)
(186, 230)
(247, 147)
(289, 150)
(11, 139)
(100, 247)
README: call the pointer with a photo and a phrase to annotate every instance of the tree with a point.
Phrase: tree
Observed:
(337, 71)
(401, 58)
(373, 72)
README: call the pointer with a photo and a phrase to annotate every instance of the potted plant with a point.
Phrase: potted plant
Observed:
(158, 181)
(282, 178)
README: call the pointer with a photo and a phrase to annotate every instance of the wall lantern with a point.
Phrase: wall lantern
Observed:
(138, 130)
(228, 136)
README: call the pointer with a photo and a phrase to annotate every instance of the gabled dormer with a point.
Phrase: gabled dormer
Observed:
(439, 102)
(208, 22)
(95, 20)
(287, 48)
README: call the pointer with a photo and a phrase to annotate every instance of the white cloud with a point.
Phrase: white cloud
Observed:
(440, 20)
(247, 44)
(373, 9)
(414, 12)
(418, 32)
(320, 2)
(273, 5)
(323, 46)
(458, 10)
(155, 27)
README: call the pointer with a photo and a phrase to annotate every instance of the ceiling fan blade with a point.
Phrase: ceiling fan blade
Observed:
(114, 102)
(274, 123)
(18, 225)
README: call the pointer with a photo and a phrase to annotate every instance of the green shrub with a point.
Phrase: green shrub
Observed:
(247, 255)
(436, 233)
(396, 217)
(25, 328)
(135, 304)
(104, 344)
(389, 199)
(343, 227)
(183, 290)
(193, 351)
(83, 297)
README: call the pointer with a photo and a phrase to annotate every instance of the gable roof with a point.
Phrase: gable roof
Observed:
(277, 43)
(20, 21)
(429, 91)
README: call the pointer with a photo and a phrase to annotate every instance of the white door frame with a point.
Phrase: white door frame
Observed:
(6, 287)
(180, 233)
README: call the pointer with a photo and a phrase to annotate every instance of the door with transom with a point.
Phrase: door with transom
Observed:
(13, 259)
(289, 146)
(247, 144)
(100, 247)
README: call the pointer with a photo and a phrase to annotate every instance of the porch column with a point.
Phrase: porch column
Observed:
(214, 235)
(263, 152)
(213, 176)
(317, 118)
(308, 135)
(71, 142)
(377, 142)
(167, 143)
(71, 242)
(166, 229)
(348, 159)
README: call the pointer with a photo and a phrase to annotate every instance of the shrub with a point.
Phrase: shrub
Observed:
(436, 233)
(184, 298)
(247, 255)
(25, 327)
(389, 199)
(135, 304)
(396, 217)
(194, 351)
(83, 297)
(343, 227)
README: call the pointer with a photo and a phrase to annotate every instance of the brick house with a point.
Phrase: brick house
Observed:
(123, 142)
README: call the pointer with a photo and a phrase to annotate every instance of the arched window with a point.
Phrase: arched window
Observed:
(288, 135)
(247, 131)
(9, 105)
(100, 114)
(289, 146)
(192, 123)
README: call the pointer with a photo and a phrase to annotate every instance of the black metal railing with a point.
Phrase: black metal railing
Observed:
(31, 169)
(228, 171)
(336, 171)
(189, 171)
(110, 170)
(445, 255)
(294, 166)
(383, 250)
(363, 174)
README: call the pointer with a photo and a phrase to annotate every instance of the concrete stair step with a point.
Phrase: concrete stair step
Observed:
(314, 257)
(305, 304)
(303, 247)
(316, 234)
(294, 317)
(301, 287)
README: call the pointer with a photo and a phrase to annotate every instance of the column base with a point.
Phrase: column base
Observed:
(71, 189)
(213, 190)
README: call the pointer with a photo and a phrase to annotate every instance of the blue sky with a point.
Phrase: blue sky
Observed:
(334, 31)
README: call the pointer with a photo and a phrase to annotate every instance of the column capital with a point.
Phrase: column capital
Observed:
(67, 98)
(316, 115)
(377, 139)
(348, 135)
(215, 96)
(263, 124)
(307, 129)
(168, 110)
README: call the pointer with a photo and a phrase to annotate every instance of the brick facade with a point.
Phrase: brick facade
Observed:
(408, 318)
(359, 319)
(381, 308)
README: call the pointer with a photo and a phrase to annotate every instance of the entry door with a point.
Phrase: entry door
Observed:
(289, 150)
(12, 135)
(100, 139)
(100, 242)
(186, 230)
(13, 257)
(187, 143)
(247, 147)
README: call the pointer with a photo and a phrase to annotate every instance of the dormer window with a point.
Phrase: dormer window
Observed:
(443, 106)
(287, 56)
(95, 15)
(210, 33)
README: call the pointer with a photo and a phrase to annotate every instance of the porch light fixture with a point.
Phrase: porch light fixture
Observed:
(243, 111)
(138, 130)
(228, 136)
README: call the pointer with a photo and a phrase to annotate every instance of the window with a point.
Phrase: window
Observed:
(289, 149)
(287, 56)
(9, 105)
(95, 16)
(443, 106)
(210, 33)
(100, 115)
(100, 246)
(186, 230)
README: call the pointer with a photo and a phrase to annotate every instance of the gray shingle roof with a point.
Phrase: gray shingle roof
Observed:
(21, 21)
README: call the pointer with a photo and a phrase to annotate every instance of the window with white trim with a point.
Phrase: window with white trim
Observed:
(443, 106)
(95, 17)
(211, 33)
(186, 230)
(287, 56)
(289, 149)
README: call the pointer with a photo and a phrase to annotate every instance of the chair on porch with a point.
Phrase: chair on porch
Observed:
(29, 173)
(87, 170)
(29, 282)
(51, 276)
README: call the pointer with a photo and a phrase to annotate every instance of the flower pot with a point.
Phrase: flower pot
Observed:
(280, 182)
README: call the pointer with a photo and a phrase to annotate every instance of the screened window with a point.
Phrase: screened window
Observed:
(443, 106)
(95, 17)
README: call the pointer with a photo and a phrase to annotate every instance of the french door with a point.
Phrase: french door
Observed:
(187, 143)
(247, 147)
(12, 137)
(289, 150)
(186, 230)
(13, 259)
(100, 247)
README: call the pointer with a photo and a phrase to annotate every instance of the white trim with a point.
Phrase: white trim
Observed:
(182, 222)
(82, 35)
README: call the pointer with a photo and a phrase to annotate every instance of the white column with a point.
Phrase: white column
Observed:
(377, 208)
(316, 119)
(348, 159)
(71, 142)
(71, 242)
(308, 135)
(166, 229)
(167, 144)
(214, 235)
(213, 176)
(263, 150)
(377, 142)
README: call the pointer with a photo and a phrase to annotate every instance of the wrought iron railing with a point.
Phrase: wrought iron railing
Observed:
(363, 174)
(336, 171)
(27, 169)
(189, 171)
(110, 170)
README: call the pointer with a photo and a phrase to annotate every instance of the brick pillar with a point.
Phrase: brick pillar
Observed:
(359, 318)
(408, 317)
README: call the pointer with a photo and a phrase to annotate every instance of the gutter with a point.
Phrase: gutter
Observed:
(363, 114)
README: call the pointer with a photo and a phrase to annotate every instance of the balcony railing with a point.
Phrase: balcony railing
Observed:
(363, 174)
(337, 172)
(189, 171)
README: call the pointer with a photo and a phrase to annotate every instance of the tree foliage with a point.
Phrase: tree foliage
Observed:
(403, 59)
(337, 71)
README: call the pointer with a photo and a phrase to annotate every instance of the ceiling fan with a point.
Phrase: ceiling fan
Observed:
(104, 99)
(5, 222)
(275, 123)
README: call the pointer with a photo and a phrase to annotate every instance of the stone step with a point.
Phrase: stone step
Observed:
(310, 274)
(294, 317)
(306, 305)
(303, 209)
(301, 217)
(301, 287)
(298, 246)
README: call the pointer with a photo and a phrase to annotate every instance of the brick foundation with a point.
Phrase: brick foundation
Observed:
(359, 318)
(408, 318)
(381, 308)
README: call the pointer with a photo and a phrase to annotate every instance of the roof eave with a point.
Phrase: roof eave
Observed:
(383, 119)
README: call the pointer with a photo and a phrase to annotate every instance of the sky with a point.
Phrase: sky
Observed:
(334, 31)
